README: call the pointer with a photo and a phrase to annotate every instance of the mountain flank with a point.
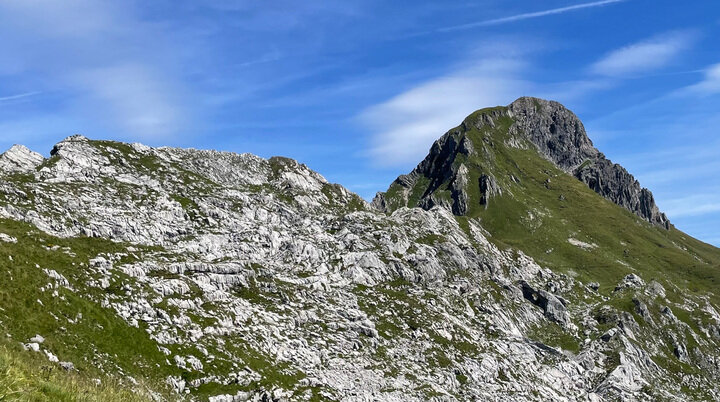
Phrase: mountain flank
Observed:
(514, 263)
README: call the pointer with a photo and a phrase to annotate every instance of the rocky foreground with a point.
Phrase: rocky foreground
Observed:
(257, 279)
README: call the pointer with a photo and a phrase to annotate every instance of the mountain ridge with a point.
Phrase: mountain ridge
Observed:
(235, 277)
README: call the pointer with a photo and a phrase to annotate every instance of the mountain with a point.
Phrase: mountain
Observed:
(548, 127)
(533, 269)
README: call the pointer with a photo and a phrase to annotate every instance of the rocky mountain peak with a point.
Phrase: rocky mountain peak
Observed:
(558, 133)
(554, 131)
(20, 159)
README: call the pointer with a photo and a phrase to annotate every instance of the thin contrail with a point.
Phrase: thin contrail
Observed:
(18, 96)
(526, 16)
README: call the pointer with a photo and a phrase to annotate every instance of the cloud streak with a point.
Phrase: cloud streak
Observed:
(405, 126)
(526, 16)
(18, 96)
(644, 56)
(710, 83)
(695, 205)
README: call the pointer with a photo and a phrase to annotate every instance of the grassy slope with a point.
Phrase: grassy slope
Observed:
(73, 326)
(28, 376)
(537, 216)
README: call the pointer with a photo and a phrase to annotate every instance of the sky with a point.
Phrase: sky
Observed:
(359, 90)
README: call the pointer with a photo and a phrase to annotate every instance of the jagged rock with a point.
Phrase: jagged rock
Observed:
(608, 316)
(549, 303)
(668, 315)
(51, 357)
(607, 336)
(7, 239)
(19, 159)
(642, 309)
(560, 136)
(459, 191)
(680, 351)
(654, 290)
(489, 188)
(37, 339)
(34, 346)
(438, 167)
(557, 133)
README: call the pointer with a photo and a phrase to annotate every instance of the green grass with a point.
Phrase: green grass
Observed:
(552, 334)
(74, 326)
(27, 376)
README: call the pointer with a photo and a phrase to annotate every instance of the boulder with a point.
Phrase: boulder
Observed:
(553, 306)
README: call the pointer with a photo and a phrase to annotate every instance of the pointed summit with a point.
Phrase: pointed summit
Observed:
(20, 159)
(480, 159)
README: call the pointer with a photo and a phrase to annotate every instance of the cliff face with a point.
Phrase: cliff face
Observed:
(556, 133)
(560, 137)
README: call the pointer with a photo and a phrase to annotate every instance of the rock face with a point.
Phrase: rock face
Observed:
(19, 159)
(255, 279)
(554, 131)
(560, 136)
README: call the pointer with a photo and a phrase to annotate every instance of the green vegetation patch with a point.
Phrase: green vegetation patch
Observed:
(76, 328)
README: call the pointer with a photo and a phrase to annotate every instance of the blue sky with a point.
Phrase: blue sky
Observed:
(358, 90)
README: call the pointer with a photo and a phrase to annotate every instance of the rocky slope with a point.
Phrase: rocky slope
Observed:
(197, 275)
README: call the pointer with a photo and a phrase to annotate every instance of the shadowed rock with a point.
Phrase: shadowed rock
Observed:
(553, 307)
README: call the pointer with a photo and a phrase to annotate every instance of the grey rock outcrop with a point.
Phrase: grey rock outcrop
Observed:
(489, 188)
(437, 168)
(19, 159)
(553, 307)
(560, 136)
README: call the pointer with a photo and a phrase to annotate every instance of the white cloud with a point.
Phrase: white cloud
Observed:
(134, 96)
(525, 16)
(695, 205)
(110, 66)
(710, 83)
(643, 56)
(8, 98)
(405, 126)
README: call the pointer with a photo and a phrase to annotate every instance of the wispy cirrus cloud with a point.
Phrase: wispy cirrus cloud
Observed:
(644, 56)
(103, 65)
(694, 205)
(710, 84)
(530, 15)
(406, 125)
(24, 95)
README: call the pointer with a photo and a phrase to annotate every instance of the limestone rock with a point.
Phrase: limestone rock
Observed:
(19, 159)
(553, 307)
(560, 136)
(258, 274)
